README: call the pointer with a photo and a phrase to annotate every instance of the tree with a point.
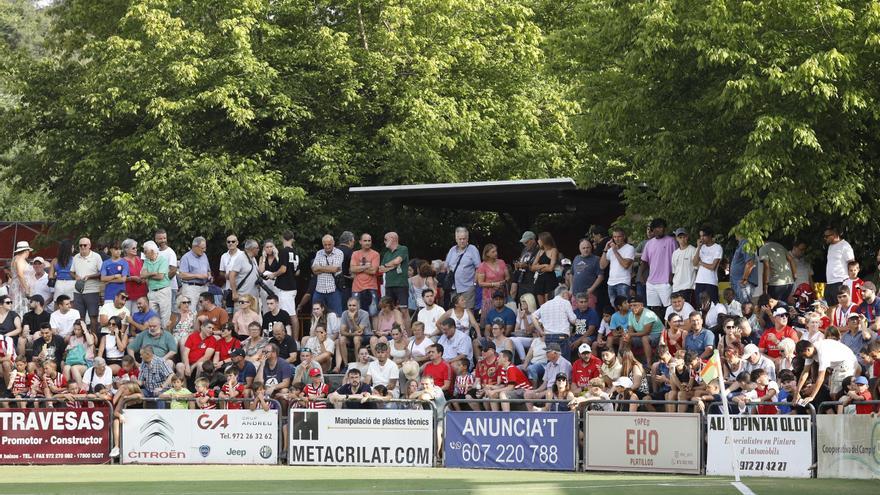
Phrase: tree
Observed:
(203, 117)
(758, 117)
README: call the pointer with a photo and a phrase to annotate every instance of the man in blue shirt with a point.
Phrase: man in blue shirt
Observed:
(870, 306)
(194, 270)
(700, 339)
(138, 320)
(246, 369)
(499, 311)
(585, 326)
(743, 276)
(463, 260)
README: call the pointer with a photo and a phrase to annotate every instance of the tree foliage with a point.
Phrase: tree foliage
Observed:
(759, 117)
(249, 114)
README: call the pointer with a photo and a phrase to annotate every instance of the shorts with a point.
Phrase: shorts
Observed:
(659, 294)
(517, 393)
(399, 294)
(87, 304)
(287, 300)
(116, 361)
(838, 374)
(659, 394)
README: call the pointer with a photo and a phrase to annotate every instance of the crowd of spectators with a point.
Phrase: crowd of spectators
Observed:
(616, 321)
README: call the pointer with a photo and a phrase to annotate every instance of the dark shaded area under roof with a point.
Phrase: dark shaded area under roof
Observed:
(522, 199)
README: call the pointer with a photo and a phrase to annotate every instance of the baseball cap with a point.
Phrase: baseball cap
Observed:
(860, 380)
(562, 376)
(820, 302)
(40, 259)
(637, 299)
(679, 231)
(487, 344)
(237, 352)
(38, 298)
(584, 348)
(527, 236)
(869, 286)
(780, 312)
(565, 262)
(498, 293)
(749, 350)
(853, 316)
(554, 347)
(624, 382)
(314, 372)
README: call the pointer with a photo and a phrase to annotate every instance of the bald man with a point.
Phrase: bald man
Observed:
(326, 266)
(87, 273)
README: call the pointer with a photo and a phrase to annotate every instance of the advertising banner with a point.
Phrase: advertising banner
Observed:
(196, 436)
(510, 440)
(361, 437)
(643, 442)
(55, 435)
(766, 445)
(848, 446)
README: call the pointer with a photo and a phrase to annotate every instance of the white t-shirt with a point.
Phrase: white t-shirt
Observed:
(110, 310)
(684, 273)
(171, 256)
(713, 313)
(92, 378)
(832, 354)
(685, 313)
(708, 255)
(382, 375)
(226, 263)
(617, 274)
(41, 287)
(838, 256)
(429, 318)
(63, 323)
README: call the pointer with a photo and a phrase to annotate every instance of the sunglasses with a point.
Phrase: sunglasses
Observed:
(123, 297)
(83, 245)
(231, 242)
(728, 327)
(184, 302)
(8, 302)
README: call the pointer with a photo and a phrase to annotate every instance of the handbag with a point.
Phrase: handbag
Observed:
(449, 281)
(75, 356)
(263, 285)
(79, 286)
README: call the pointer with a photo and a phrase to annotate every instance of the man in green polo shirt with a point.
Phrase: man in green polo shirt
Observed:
(395, 261)
(155, 272)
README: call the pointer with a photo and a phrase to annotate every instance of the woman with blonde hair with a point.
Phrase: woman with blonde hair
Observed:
(245, 314)
(525, 326)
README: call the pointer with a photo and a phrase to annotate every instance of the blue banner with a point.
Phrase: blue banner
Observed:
(510, 440)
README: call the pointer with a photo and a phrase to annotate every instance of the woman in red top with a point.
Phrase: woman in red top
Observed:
(134, 286)
(226, 342)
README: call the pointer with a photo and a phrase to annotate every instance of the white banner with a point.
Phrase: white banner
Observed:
(848, 446)
(765, 445)
(361, 437)
(643, 442)
(195, 436)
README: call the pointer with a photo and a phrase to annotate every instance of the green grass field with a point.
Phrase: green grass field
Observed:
(181, 480)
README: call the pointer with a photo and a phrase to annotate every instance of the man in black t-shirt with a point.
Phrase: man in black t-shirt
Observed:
(274, 314)
(49, 346)
(33, 320)
(346, 396)
(285, 281)
(287, 348)
(346, 245)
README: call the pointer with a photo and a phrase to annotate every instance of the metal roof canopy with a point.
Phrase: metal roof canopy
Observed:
(518, 197)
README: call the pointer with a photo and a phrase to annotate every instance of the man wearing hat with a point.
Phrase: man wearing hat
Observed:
(584, 369)
(487, 368)
(870, 306)
(499, 311)
(523, 278)
(41, 281)
(246, 369)
(856, 334)
(555, 365)
(753, 359)
(769, 343)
